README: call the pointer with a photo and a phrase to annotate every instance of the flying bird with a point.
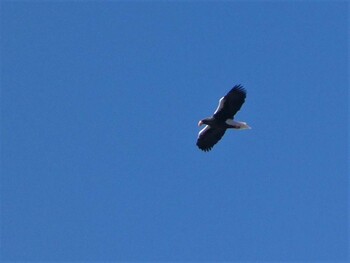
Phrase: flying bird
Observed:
(222, 119)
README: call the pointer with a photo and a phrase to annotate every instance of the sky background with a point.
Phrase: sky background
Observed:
(99, 109)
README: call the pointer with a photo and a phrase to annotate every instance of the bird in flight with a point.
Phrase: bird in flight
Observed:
(222, 119)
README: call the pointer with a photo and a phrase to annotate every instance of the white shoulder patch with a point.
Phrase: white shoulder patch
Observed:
(207, 127)
(221, 104)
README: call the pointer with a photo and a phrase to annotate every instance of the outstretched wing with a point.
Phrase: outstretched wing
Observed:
(208, 137)
(230, 103)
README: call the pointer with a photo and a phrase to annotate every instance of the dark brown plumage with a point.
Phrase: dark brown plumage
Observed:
(222, 119)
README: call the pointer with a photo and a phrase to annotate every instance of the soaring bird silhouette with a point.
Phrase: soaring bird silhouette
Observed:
(222, 119)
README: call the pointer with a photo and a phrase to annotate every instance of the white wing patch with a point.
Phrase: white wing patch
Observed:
(221, 104)
(207, 127)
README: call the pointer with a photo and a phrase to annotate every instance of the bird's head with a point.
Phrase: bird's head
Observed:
(204, 121)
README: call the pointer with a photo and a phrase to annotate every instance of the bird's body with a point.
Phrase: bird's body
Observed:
(222, 119)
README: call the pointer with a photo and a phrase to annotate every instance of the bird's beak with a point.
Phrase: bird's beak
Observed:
(200, 123)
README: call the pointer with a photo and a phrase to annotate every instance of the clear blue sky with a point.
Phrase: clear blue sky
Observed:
(99, 109)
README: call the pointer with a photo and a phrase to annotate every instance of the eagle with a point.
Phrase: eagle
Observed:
(222, 119)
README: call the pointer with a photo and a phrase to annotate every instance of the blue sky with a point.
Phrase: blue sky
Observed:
(99, 109)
